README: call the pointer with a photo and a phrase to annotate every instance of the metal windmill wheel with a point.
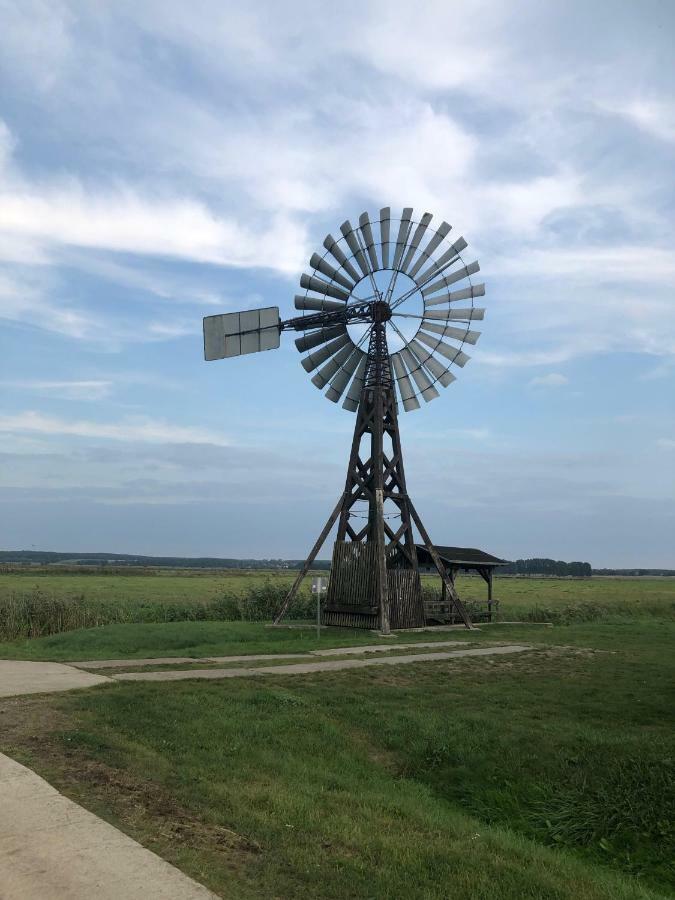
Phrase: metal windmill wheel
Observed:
(412, 289)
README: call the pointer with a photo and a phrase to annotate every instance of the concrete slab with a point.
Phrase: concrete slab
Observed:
(53, 849)
(19, 677)
(306, 668)
(176, 660)
(383, 648)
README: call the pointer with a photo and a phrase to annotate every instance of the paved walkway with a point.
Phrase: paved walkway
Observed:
(306, 668)
(53, 849)
(131, 663)
(18, 677)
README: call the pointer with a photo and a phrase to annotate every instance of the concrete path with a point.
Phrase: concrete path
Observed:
(18, 677)
(306, 668)
(53, 849)
(177, 660)
(253, 657)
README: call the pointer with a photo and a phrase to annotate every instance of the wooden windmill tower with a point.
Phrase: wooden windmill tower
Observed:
(361, 297)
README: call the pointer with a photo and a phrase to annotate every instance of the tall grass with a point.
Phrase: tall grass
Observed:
(37, 613)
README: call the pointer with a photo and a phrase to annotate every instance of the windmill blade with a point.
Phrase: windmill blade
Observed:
(385, 223)
(426, 388)
(441, 232)
(458, 334)
(454, 354)
(239, 333)
(351, 402)
(468, 293)
(451, 278)
(441, 373)
(324, 375)
(340, 381)
(312, 360)
(315, 338)
(444, 260)
(353, 244)
(416, 238)
(461, 315)
(405, 388)
(367, 232)
(316, 262)
(403, 232)
(311, 283)
(317, 304)
(336, 252)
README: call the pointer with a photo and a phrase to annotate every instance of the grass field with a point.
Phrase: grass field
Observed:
(517, 595)
(548, 775)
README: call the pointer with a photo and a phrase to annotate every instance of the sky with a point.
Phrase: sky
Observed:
(162, 161)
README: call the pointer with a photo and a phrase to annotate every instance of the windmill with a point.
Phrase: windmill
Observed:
(382, 321)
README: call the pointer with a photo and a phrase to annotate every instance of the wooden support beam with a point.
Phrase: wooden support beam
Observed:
(440, 568)
(310, 559)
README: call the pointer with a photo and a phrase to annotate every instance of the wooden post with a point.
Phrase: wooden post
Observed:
(489, 582)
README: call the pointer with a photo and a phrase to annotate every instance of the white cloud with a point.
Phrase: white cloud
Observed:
(94, 389)
(131, 429)
(666, 443)
(552, 380)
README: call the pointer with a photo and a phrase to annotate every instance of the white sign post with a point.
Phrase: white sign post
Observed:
(319, 585)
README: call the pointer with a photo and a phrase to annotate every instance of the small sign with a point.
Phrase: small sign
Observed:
(318, 585)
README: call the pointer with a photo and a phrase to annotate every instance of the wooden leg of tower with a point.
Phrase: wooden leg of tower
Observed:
(382, 580)
(310, 559)
(438, 562)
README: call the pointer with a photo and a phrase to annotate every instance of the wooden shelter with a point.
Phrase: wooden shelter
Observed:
(462, 559)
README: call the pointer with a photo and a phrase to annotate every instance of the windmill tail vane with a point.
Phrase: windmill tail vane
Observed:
(381, 329)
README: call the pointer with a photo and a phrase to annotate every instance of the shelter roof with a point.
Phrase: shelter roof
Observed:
(460, 556)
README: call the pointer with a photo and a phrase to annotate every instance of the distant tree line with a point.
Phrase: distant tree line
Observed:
(546, 567)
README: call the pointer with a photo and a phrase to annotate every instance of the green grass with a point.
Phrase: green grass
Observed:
(546, 775)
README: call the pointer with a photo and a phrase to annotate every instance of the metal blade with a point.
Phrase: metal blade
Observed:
(457, 334)
(426, 388)
(442, 374)
(441, 232)
(339, 383)
(312, 360)
(317, 304)
(468, 293)
(316, 262)
(405, 388)
(385, 223)
(235, 334)
(351, 401)
(403, 232)
(315, 338)
(462, 315)
(416, 238)
(454, 354)
(367, 232)
(336, 252)
(451, 278)
(444, 260)
(353, 244)
(311, 283)
(324, 375)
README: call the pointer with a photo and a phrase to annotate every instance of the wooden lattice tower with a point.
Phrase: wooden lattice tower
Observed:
(375, 580)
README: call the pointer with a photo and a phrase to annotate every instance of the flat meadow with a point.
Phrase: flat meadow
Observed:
(546, 775)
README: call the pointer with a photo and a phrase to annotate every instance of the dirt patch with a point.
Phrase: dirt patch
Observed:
(34, 731)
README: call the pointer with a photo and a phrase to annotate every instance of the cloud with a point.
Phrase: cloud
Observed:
(553, 379)
(132, 429)
(94, 389)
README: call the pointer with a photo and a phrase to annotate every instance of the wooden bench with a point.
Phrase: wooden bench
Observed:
(443, 612)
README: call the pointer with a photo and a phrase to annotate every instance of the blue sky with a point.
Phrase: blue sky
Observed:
(162, 161)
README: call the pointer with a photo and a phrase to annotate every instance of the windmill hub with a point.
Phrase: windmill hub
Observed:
(364, 279)
(381, 311)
